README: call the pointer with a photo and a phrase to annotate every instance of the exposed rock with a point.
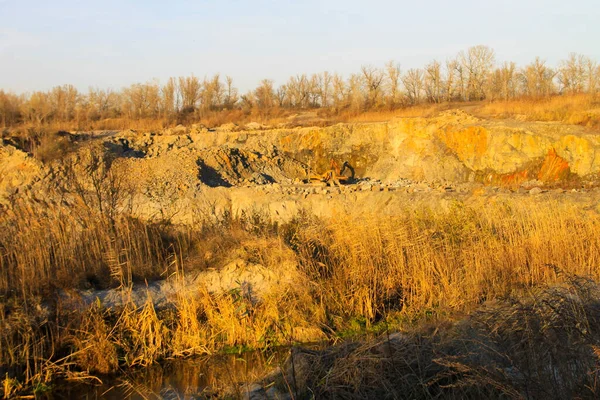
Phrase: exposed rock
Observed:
(252, 280)
(253, 126)
(228, 166)
(535, 190)
(17, 171)
(176, 174)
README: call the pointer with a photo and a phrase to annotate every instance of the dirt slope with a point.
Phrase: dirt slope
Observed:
(189, 173)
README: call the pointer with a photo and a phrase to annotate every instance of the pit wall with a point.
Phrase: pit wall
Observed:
(453, 146)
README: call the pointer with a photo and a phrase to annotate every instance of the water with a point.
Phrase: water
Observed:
(178, 379)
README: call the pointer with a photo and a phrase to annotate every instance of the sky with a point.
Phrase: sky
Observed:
(115, 43)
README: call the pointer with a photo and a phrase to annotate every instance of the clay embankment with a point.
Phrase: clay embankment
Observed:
(245, 171)
(189, 174)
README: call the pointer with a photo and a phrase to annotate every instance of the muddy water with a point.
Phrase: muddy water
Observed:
(179, 379)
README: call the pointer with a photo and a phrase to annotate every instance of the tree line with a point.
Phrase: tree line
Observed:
(473, 75)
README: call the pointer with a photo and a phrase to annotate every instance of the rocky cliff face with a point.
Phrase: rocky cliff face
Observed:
(17, 171)
(453, 146)
(188, 168)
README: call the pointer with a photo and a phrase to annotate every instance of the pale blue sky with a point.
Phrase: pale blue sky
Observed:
(113, 43)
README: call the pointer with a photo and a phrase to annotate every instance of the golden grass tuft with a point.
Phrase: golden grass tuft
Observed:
(95, 350)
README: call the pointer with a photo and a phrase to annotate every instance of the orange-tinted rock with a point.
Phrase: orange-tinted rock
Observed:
(554, 168)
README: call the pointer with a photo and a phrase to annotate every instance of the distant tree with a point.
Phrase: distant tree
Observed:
(231, 93)
(189, 91)
(142, 100)
(393, 84)
(372, 79)
(102, 104)
(339, 93)
(462, 81)
(434, 82)
(265, 95)
(38, 108)
(10, 105)
(325, 89)
(503, 82)
(537, 79)
(452, 79)
(572, 73)
(413, 83)
(169, 104)
(247, 101)
(314, 90)
(471, 76)
(299, 91)
(592, 73)
(477, 62)
(211, 94)
(64, 102)
(356, 95)
(282, 96)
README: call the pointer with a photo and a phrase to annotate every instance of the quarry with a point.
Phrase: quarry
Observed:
(252, 237)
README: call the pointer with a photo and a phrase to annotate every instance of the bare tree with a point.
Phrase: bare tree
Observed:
(142, 100)
(38, 108)
(355, 93)
(372, 79)
(433, 82)
(571, 73)
(189, 90)
(168, 99)
(413, 83)
(470, 76)
(393, 84)
(477, 62)
(282, 96)
(325, 89)
(265, 95)
(503, 82)
(592, 72)
(102, 104)
(9, 108)
(452, 77)
(247, 101)
(211, 94)
(537, 79)
(64, 101)
(314, 90)
(339, 92)
(231, 93)
(299, 91)
(462, 81)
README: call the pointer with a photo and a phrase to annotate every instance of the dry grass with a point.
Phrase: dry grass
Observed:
(537, 345)
(423, 264)
(579, 109)
(444, 261)
(64, 248)
(421, 110)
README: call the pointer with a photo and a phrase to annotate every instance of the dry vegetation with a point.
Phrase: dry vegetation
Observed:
(536, 90)
(371, 274)
(575, 109)
(543, 345)
(515, 268)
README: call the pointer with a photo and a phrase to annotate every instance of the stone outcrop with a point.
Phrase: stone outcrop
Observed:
(17, 171)
(192, 173)
(453, 146)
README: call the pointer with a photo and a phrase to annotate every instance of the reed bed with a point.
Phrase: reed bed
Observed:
(425, 265)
